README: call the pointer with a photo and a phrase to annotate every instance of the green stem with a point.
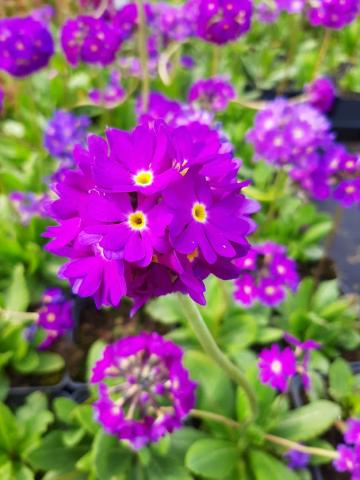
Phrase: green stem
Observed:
(210, 347)
(324, 47)
(280, 178)
(283, 442)
(215, 61)
(18, 316)
(143, 54)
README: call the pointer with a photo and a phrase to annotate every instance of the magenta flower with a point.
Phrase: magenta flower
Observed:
(212, 94)
(55, 316)
(150, 212)
(144, 390)
(302, 353)
(26, 45)
(297, 460)
(352, 433)
(277, 367)
(348, 461)
(333, 13)
(222, 21)
(90, 40)
(265, 273)
(111, 95)
(347, 192)
(321, 93)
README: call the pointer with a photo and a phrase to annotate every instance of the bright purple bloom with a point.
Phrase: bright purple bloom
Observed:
(187, 61)
(277, 367)
(286, 133)
(348, 192)
(172, 22)
(63, 131)
(297, 460)
(150, 212)
(29, 205)
(90, 40)
(55, 316)
(144, 390)
(291, 6)
(43, 14)
(352, 433)
(111, 95)
(212, 93)
(348, 461)
(333, 13)
(321, 93)
(266, 13)
(265, 273)
(26, 46)
(222, 21)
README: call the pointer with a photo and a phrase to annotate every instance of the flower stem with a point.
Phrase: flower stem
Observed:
(13, 316)
(283, 442)
(143, 54)
(324, 47)
(289, 444)
(278, 185)
(211, 348)
(215, 61)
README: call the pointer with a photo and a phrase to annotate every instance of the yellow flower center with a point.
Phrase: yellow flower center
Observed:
(191, 256)
(50, 317)
(269, 290)
(199, 212)
(350, 189)
(276, 366)
(281, 269)
(144, 178)
(137, 221)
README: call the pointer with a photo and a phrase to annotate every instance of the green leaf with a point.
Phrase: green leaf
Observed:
(63, 408)
(94, 354)
(4, 386)
(211, 458)
(22, 472)
(53, 455)
(316, 232)
(215, 391)
(167, 468)
(266, 467)
(84, 414)
(17, 296)
(34, 417)
(341, 379)
(165, 309)
(309, 421)
(49, 362)
(28, 363)
(9, 429)
(326, 293)
(110, 457)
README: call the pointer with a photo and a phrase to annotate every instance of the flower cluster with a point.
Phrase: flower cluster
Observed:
(112, 94)
(63, 131)
(297, 460)
(55, 316)
(335, 173)
(172, 22)
(277, 367)
(286, 133)
(349, 452)
(265, 273)
(333, 13)
(212, 94)
(29, 204)
(26, 45)
(144, 390)
(149, 212)
(321, 93)
(90, 40)
(222, 21)
(268, 12)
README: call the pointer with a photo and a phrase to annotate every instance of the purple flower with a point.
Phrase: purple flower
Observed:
(212, 93)
(29, 204)
(187, 61)
(302, 353)
(286, 133)
(266, 13)
(321, 93)
(111, 95)
(348, 192)
(144, 390)
(291, 6)
(55, 316)
(297, 460)
(277, 367)
(150, 212)
(333, 13)
(265, 272)
(172, 22)
(222, 21)
(26, 45)
(352, 433)
(63, 131)
(348, 461)
(90, 40)
(43, 14)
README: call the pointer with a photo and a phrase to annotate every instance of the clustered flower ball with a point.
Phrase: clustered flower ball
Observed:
(212, 94)
(333, 13)
(321, 93)
(348, 459)
(150, 212)
(90, 40)
(265, 274)
(286, 133)
(222, 21)
(144, 389)
(26, 45)
(55, 316)
(63, 131)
